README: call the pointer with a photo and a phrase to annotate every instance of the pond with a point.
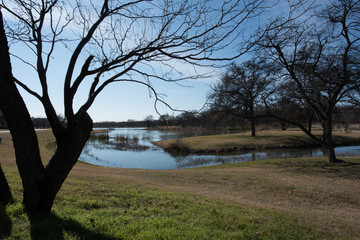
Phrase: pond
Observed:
(132, 148)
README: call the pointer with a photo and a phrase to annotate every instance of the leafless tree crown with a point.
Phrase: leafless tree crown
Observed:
(112, 41)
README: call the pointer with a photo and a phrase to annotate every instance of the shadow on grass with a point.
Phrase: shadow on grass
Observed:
(54, 227)
(349, 169)
(5, 223)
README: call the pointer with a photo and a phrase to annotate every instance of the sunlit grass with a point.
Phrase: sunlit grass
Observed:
(102, 209)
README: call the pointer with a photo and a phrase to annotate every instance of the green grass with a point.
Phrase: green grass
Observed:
(103, 209)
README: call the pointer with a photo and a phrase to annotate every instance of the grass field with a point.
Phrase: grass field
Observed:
(263, 140)
(275, 199)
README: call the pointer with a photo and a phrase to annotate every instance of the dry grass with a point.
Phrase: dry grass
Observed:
(325, 196)
(264, 139)
(6, 149)
(313, 191)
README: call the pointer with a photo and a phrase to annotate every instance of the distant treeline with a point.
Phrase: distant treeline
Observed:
(113, 124)
(212, 119)
(209, 119)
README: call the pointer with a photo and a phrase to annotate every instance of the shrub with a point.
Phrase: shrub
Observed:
(178, 146)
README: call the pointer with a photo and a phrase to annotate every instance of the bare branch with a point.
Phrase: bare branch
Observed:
(27, 89)
(117, 40)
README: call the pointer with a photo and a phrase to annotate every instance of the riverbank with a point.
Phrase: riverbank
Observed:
(273, 199)
(272, 139)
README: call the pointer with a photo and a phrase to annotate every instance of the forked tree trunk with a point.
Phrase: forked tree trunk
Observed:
(68, 150)
(40, 184)
(67, 154)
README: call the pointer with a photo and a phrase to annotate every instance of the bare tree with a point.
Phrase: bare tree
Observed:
(243, 89)
(320, 57)
(149, 121)
(109, 42)
(288, 106)
(188, 119)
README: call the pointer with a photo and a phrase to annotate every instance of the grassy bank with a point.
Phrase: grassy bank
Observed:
(277, 199)
(243, 141)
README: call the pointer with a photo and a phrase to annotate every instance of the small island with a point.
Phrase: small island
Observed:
(269, 139)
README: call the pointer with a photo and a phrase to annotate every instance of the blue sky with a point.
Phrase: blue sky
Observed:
(120, 101)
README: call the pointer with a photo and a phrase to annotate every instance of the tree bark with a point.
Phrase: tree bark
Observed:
(69, 148)
(252, 121)
(309, 125)
(327, 139)
(40, 184)
(253, 131)
(310, 120)
(329, 149)
(21, 128)
(330, 152)
(5, 193)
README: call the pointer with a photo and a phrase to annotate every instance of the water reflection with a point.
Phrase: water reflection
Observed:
(132, 148)
(119, 142)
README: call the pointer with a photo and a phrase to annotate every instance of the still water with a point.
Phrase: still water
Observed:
(132, 148)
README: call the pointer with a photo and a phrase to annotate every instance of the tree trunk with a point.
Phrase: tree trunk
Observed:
(330, 152)
(327, 140)
(252, 122)
(253, 132)
(5, 193)
(309, 126)
(40, 184)
(67, 154)
(21, 128)
(310, 119)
